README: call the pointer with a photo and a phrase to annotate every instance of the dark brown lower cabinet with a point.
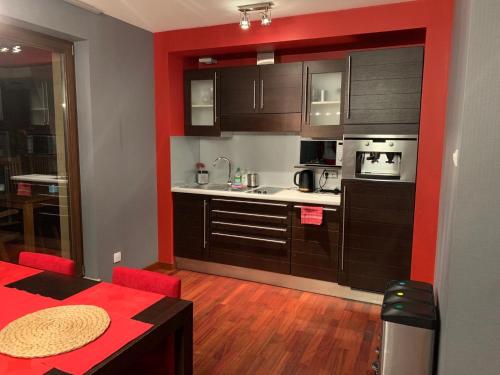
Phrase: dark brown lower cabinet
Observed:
(249, 233)
(190, 225)
(377, 233)
(315, 248)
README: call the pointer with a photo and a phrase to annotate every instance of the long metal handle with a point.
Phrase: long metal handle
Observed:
(261, 94)
(204, 223)
(307, 109)
(249, 202)
(249, 226)
(348, 102)
(324, 208)
(248, 238)
(343, 229)
(247, 214)
(254, 92)
(215, 97)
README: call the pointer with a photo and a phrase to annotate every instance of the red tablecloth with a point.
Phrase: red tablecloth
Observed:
(10, 272)
(120, 302)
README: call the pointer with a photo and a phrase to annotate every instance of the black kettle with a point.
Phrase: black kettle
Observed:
(306, 180)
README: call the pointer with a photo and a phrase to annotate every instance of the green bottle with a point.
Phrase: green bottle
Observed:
(237, 177)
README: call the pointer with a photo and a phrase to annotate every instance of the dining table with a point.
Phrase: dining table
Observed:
(148, 331)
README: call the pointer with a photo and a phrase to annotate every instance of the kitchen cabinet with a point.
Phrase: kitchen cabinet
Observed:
(377, 233)
(315, 248)
(190, 225)
(384, 86)
(201, 101)
(250, 233)
(262, 98)
(323, 106)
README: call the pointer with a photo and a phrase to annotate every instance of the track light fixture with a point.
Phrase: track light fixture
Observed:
(263, 9)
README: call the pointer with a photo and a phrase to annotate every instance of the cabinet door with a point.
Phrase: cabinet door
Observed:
(280, 88)
(322, 109)
(239, 90)
(377, 233)
(384, 86)
(190, 225)
(201, 88)
(315, 247)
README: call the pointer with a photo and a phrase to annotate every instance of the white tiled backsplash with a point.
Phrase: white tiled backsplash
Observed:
(273, 157)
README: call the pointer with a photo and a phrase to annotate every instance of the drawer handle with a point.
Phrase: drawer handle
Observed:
(247, 202)
(324, 208)
(248, 238)
(249, 226)
(247, 214)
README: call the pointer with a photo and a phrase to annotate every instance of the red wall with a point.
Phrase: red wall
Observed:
(341, 29)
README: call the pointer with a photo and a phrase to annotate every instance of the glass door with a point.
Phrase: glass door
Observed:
(201, 89)
(323, 100)
(39, 174)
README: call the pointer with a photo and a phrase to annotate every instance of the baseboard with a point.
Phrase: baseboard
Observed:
(278, 279)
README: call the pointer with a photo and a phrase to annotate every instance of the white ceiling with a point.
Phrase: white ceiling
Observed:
(161, 15)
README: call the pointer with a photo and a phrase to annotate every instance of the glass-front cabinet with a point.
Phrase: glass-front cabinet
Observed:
(202, 109)
(322, 110)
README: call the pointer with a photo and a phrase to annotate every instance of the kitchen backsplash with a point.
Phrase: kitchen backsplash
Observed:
(273, 157)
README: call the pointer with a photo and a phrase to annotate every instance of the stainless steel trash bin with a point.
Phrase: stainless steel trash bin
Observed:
(408, 329)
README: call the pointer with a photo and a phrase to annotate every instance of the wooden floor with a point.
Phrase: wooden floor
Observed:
(243, 327)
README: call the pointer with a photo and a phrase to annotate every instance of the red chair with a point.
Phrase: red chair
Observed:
(157, 283)
(148, 281)
(47, 263)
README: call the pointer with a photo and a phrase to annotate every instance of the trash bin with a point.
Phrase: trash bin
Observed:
(409, 323)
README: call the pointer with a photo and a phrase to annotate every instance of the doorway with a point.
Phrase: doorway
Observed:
(39, 170)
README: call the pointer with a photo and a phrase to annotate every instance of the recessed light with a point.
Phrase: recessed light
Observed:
(4, 49)
(16, 49)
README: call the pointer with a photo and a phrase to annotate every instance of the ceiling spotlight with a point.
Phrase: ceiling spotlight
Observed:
(244, 21)
(16, 49)
(265, 19)
(263, 9)
(4, 49)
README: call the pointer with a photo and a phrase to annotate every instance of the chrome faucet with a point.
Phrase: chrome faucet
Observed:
(229, 182)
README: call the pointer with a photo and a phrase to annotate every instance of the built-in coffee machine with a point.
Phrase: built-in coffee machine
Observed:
(380, 157)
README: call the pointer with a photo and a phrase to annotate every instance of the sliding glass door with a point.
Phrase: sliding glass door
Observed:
(39, 174)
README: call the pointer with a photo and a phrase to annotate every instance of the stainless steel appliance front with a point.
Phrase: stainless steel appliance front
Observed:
(380, 157)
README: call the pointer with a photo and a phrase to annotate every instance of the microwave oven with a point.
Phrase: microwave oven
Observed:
(321, 152)
(42, 144)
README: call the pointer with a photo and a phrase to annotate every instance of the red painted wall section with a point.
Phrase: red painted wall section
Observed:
(176, 49)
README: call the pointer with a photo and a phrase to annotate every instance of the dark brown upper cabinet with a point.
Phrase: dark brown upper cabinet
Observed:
(262, 98)
(322, 105)
(201, 102)
(384, 86)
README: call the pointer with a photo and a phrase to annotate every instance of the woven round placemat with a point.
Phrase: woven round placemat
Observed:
(53, 331)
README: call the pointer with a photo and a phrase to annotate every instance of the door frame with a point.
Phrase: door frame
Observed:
(66, 48)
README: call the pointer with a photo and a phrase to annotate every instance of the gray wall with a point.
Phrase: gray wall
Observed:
(115, 100)
(468, 267)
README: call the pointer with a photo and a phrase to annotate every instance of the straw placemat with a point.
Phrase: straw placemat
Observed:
(53, 331)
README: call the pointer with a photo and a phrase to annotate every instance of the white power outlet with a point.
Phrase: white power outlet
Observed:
(117, 257)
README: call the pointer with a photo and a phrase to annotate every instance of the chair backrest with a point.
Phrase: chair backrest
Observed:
(148, 281)
(12, 167)
(47, 262)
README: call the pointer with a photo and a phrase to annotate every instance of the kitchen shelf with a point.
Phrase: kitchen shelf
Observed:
(202, 105)
(326, 102)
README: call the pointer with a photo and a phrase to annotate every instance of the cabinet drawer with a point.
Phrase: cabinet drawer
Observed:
(250, 206)
(331, 218)
(244, 229)
(255, 213)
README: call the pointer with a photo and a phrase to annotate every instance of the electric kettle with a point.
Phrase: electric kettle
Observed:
(306, 180)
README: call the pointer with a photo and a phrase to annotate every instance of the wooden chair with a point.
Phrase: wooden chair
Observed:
(12, 167)
(7, 235)
(47, 262)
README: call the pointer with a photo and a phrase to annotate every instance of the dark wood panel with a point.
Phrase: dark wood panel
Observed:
(386, 116)
(249, 229)
(386, 87)
(262, 122)
(281, 88)
(389, 245)
(53, 285)
(403, 101)
(250, 206)
(387, 56)
(313, 272)
(190, 233)
(392, 258)
(239, 90)
(309, 233)
(382, 215)
(245, 218)
(378, 230)
(317, 254)
(387, 71)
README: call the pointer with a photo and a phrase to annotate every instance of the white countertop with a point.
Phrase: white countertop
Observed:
(287, 195)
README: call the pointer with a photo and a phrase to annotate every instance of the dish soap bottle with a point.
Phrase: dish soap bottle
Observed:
(237, 177)
(244, 178)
